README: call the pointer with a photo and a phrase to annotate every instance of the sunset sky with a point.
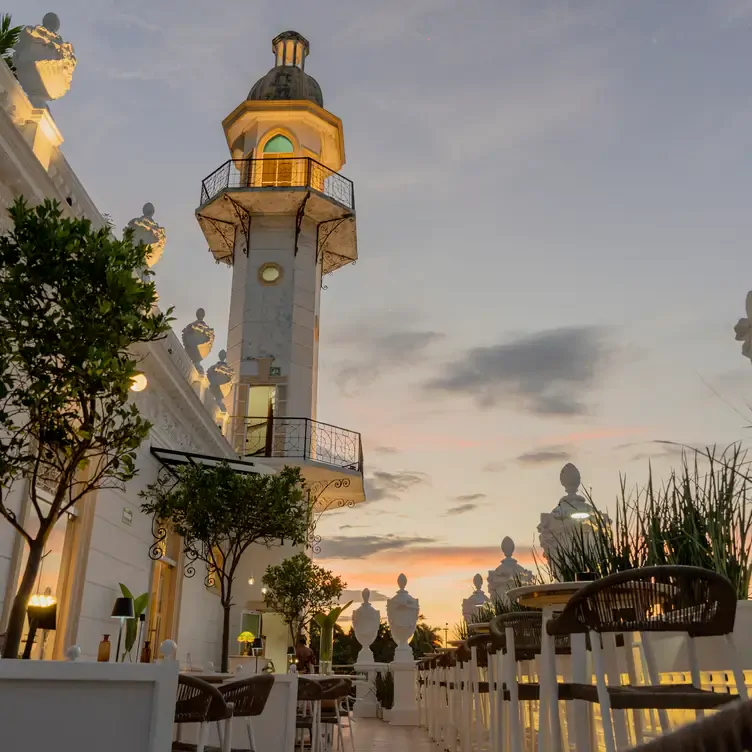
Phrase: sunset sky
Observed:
(554, 237)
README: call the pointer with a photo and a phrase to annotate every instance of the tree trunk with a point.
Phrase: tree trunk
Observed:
(225, 639)
(21, 601)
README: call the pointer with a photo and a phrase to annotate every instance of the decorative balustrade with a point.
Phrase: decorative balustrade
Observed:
(302, 438)
(275, 173)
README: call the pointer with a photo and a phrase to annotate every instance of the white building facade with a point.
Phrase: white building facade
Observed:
(256, 405)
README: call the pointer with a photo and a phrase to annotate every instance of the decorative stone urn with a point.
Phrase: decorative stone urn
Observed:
(508, 574)
(44, 62)
(402, 610)
(366, 620)
(147, 231)
(471, 605)
(572, 513)
(220, 377)
(198, 338)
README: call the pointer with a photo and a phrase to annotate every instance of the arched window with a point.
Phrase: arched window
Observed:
(278, 144)
(278, 161)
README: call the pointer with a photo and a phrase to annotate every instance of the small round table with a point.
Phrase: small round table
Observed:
(550, 598)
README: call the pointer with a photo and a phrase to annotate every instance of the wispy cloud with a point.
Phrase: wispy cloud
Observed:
(382, 484)
(465, 503)
(549, 372)
(364, 546)
(494, 467)
(544, 456)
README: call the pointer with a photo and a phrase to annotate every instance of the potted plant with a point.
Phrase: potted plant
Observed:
(701, 516)
(326, 624)
(388, 696)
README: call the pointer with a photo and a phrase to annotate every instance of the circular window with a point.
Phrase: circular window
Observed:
(270, 274)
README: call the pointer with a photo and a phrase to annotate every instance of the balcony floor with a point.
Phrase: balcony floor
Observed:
(373, 735)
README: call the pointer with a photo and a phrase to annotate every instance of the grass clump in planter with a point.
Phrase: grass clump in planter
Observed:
(700, 516)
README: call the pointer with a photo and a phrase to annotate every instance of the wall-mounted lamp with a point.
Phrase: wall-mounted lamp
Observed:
(139, 382)
(251, 580)
(263, 591)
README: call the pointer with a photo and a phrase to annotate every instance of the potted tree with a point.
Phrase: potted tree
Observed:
(219, 513)
(74, 302)
(297, 589)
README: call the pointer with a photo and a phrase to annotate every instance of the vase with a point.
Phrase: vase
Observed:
(146, 652)
(326, 649)
(103, 654)
(402, 610)
(366, 620)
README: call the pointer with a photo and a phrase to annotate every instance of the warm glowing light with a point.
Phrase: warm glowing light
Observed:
(251, 580)
(263, 591)
(42, 601)
(139, 382)
(580, 515)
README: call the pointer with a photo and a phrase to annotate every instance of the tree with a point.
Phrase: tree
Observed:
(8, 39)
(219, 513)
(297, 589)
(71, 309)
(425, 640)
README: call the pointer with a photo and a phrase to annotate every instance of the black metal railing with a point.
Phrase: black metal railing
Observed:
(302, 438)
(279, 172)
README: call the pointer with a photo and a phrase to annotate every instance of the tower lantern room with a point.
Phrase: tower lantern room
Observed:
(282, 216)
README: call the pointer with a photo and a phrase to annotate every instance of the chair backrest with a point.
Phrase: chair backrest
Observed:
(198, 701)
(309, 690)
(527, 626)
(334, 688)
(652, 599)
(729, 730)
(248, 696)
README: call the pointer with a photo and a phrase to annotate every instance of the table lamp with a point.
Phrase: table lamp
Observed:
(122, 610)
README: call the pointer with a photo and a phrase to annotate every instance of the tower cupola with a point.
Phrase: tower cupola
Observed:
(287, 80)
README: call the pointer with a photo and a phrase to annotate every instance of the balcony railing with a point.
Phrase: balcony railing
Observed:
(302, 438)
(279, 172)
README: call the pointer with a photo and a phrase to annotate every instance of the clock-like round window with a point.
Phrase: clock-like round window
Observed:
(270, 274)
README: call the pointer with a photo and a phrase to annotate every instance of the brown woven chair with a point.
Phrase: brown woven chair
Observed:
(729, 730)
(199, 702)
(697, 602)
(310, 695)
(248, 699)
(338, 692)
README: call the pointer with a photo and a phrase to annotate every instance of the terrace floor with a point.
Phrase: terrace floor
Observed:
(373, 735)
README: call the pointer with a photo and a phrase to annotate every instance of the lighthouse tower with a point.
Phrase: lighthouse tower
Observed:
(282, 216)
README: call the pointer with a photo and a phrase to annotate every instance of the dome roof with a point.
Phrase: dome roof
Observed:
(288, 79)
(287, 82)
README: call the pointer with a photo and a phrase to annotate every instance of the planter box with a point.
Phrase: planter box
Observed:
(69, 707)
(712, 654)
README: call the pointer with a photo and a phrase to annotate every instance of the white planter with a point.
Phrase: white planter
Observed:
(712, 655)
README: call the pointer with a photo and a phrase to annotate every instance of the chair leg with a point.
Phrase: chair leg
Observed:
(251, 737)
(603, 697)
(654, 676)
(203, 732)
(741, 686)
(515, 734)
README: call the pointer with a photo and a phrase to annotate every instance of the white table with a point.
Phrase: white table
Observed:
(551, 598)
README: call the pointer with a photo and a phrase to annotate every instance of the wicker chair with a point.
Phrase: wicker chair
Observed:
(729, 730)
(248, 699)
(697, 602)
(338, 692)
(310, 695)
(200, 702)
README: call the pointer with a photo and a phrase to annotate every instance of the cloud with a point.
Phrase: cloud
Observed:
(544, 456)
(465, 503)
(363, 546)
(376, 344)
(493, 467)
(385, 450)
(470, 497)
(659, 448)
(548, 372)
(382, 484)
(460, 509)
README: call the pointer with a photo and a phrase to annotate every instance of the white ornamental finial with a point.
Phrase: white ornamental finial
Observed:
(570, 478)
(168, 650)
(147, 231)
(477, 600)
(366, 620)
(743, 329)
(198, 339)
(44, 62)
(220, 377)
(508, 574)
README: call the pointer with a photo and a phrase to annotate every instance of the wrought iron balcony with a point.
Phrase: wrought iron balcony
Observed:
(275, 173)
(302, 438)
